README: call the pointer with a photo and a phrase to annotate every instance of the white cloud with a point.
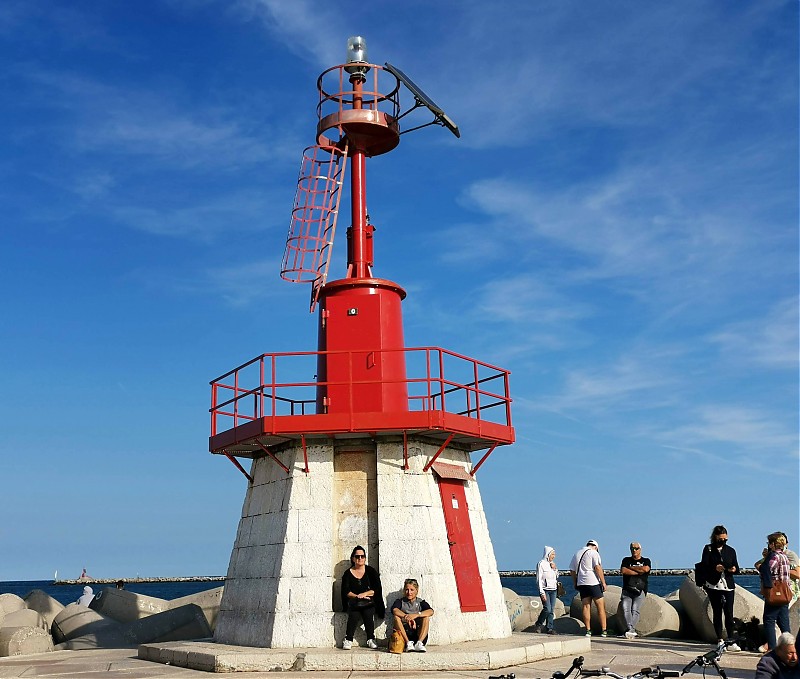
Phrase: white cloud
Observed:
(770, 341)
(592, 66)
(311, 30)
(219, 214)
(637, 381)
(746, 430)
(149, 123)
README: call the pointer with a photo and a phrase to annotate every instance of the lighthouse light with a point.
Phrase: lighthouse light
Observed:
(357, 54)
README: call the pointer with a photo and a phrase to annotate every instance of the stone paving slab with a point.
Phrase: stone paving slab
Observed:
(492, 654)
(624, 657)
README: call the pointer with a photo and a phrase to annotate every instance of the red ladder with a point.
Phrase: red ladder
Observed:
(309, 244)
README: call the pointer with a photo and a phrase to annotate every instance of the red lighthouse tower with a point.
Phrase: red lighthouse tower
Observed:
(383, 434)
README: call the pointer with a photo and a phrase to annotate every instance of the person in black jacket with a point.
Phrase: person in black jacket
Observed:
(719, 564)
(362, 597)
(780, 662)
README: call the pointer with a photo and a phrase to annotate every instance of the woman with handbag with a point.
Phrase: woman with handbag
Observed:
(775, 587)
(718, 565)
(362, 597)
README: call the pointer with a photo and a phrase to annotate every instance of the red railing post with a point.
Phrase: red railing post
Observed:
(213, 409)
(441, 377)
(236, 398)
(477, 390)
(508, 399)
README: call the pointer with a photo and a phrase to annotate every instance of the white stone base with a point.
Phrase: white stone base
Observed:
(297, 531)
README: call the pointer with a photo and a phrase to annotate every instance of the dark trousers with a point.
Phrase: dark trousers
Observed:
(772, 615)
(413, 633)
(721, 601)
(354, 618)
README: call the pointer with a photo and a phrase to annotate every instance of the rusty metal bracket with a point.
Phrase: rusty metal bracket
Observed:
(482, 460)
(405, 449)
(238, 465)
(272, 455)
(438, 452)
(305, 452)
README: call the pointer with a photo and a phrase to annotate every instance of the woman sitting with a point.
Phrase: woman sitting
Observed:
(362, 597)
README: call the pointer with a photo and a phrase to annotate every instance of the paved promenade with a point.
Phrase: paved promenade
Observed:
(623, 656)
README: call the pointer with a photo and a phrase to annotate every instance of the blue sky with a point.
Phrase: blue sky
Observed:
(618, 226)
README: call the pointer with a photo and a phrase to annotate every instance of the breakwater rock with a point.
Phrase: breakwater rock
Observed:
(116, 618)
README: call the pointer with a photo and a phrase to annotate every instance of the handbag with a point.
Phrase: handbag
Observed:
(777, 595)
(396, 643)
(635, 586)
(699, 574)
(358, 604)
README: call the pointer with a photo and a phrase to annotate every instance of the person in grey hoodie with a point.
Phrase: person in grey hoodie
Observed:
(547, 577)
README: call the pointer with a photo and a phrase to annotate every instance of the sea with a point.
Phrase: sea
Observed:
(524, 586)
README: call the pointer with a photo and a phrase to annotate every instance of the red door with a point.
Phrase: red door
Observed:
(462, 546)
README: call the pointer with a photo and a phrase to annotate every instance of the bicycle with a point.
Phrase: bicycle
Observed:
(645, 673)
(711, 659)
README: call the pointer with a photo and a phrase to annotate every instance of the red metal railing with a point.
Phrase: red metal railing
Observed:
(272, 385)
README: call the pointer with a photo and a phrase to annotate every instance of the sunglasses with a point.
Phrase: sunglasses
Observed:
(359, 556)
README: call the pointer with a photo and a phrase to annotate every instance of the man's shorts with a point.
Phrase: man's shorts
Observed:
(590, 591)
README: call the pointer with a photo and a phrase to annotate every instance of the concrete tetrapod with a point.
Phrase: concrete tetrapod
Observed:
(38, 600)
(24, 641)
(76, 620)
(25, 618)
(698, 609)
(10, 603)
(209, 600)
(125, 606)
(687, 630)
(657, 618)
(178, 624)
(523, 611)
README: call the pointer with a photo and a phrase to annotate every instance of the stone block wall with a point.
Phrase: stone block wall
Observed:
(297, 531)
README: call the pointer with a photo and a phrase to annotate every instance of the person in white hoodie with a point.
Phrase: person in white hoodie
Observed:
(547, 577)
(86, 597)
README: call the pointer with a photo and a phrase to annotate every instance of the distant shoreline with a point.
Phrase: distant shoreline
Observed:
(612, 572)
(111, 581)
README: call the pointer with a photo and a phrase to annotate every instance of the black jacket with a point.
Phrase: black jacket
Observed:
(370, 581)
(772, 667)
(712, 557)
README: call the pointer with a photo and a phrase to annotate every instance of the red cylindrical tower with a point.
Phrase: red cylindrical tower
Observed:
(361, 367)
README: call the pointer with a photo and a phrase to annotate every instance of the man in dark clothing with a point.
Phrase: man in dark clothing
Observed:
(635, 569)
(781, 662)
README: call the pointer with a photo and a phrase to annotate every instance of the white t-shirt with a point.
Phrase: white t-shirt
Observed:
(583, 564)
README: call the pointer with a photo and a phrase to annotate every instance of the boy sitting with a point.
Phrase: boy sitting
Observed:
(412, 617)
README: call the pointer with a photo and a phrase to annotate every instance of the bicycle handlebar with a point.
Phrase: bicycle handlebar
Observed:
(657, 673)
